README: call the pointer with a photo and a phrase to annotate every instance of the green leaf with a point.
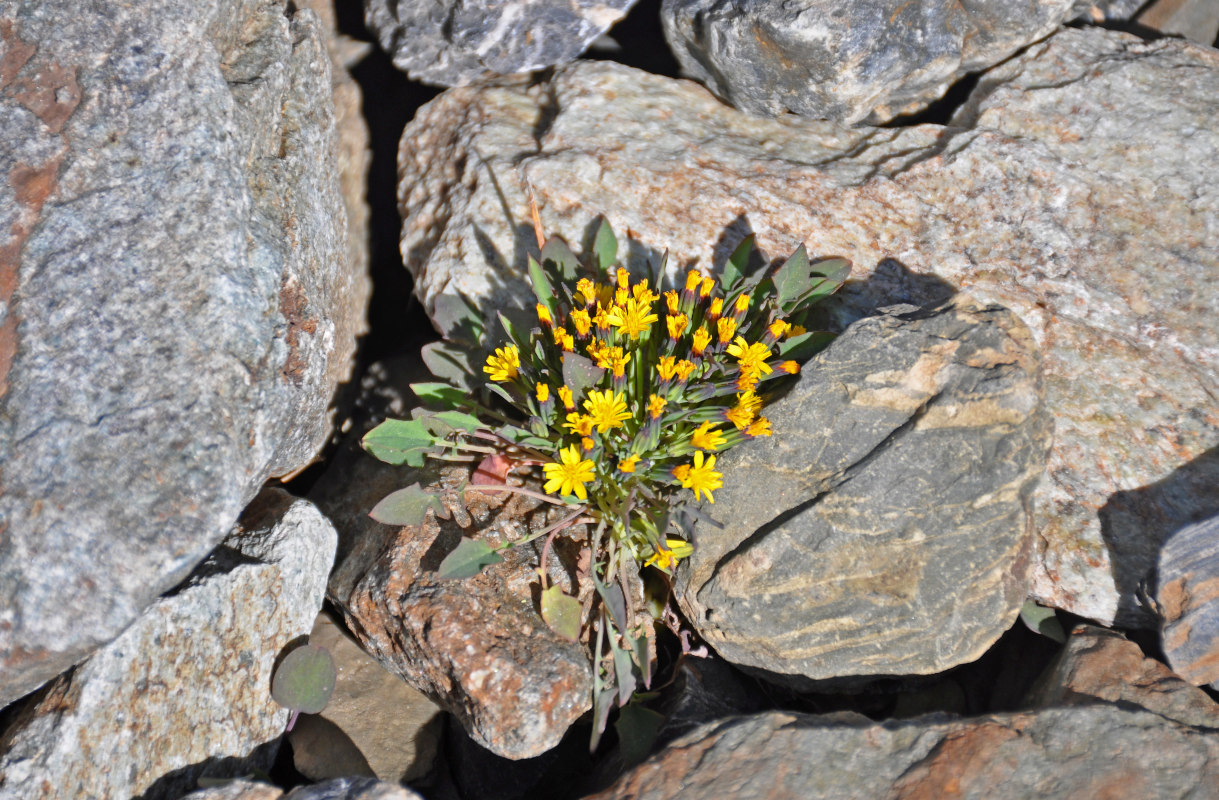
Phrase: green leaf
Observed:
(398, 441)
(442, 423)
(561, 613)
(406, 506)
(541, 285)
(579, 373)
(524, 438)
(637, 729)
(805, 346)
(1040, 619)
(605, 245)
(734, 269)
(614, 601)
(791, 278)
(453, 363)
(470, 557)
(624, 668)
(443, 394)
(643, 656)
(566, 265)
(603, 701)
(305, 679)
(457, 319)
(827, 277)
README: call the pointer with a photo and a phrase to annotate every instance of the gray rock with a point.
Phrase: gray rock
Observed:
(1098, 751)
(478, 646)
(337, 789)
(454, 43)
(847, 60)
(885, 527)
(1188, 597)
(185, 691)
(1069, 191)
(1099, 665)
(178, 306)
(1196, 20)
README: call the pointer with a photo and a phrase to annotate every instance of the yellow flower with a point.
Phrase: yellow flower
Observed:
(624, 278)
(620, 296)
(543, 392)
(568, 474)
(681, 472)
(796, 330)
(666, 367)
(671, 300)
(668, 554)
(643, 294)
(702, 477)
(628, 464)
(564, 339)
(607, 410)
(747, 380)
(744, 412)
(741, 304)
(601, 319)
(705, 289)
(707, 438)
(633, 319)
(759, 427)
(676, 325)
(717, 308)
(618, 364)
(751, 357)
(701, 339)
(684, 368)
(778, 328)
(790, 367)
(582, 321)
(505, 364)
(587, 443)
(579, 424)
(693, 279)
(726, 327)
(544, 316)
(587, 290)
(656, 406)
(565, 396)
(606, 356)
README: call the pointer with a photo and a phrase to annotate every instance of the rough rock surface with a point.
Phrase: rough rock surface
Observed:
(338, 789)
(185, 691)
(1188, 598)
(478, 646)
(374, 725)
(1069, 190)
(178, 306)
(1099, 751)
(453, 43)
(1099, 665)
(885, 527)
(847, 60)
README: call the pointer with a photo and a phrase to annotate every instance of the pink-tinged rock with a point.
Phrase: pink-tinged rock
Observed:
(1071, 189)
(1188, 598)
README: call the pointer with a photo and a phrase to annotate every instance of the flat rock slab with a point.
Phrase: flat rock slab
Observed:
(337, 789)
(1072, 189)
(177, 302)
(186, 690)
(452, 43)
(477, 646)
(885, 527)
(847, 60)
(1188, 598)
(1099, 751)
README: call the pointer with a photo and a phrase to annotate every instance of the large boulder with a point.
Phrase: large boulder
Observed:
(1066, 190)
(178, 300)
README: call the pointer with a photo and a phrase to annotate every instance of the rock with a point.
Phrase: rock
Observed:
(1099, 665)
(374, 725)
(1099, 751)
(1188, 599)
(885, 527)
(478, 646)
(185, 691)
(178, 306)
(845, 60)
(453, 44)
(1196, 20)
(337, 789)
(1067, 190)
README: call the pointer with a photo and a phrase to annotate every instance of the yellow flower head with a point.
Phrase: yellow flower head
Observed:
(750, 357)
(643, 294)
(667, 555)
(579, 424)
(632, 319)
(702, 477)
(701, 339)
(656, 406)
(748, 380)
(544, 316)
(628, 464)
(672, 299)
(602, 318)
(744, 412)
(505, 364)
(693, 279)
(790, 367)
(796, 330)
(618, 364)
(666, 367)
(684, 368)
(607, 409)
(569, 474)
(605, 357)
(716, 309)
(564, 340)
(543, 392)
(704, 289)
(620, 296)
(624, 278)
(759, 427)
(565, 395)
(582, 321)
(741, 304)
(707, 438)
(587, 290)
(587, 443)
(676, 325)
(726, 327)
(778, 328)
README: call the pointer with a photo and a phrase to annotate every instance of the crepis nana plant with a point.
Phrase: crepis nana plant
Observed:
(625, 393)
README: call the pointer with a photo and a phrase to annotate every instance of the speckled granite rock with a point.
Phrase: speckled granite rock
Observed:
(847, 60)
(1069, 190)
(186, 690)
(453, 43)
(478, 646)
(1099, 665)
(178, 306)
(1100, 751)
(337, 789)
(885, 527)
(1188, 597)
